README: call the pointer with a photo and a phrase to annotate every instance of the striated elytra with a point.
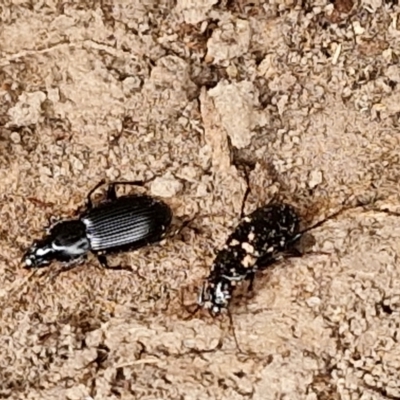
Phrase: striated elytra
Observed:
(116, 224)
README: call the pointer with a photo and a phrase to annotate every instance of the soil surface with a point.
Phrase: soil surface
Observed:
(304, 95)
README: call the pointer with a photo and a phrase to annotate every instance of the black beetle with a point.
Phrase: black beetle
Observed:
(116, 224)
(258, 241)
(261, 238)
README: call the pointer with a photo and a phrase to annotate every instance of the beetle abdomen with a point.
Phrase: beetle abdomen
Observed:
(128, 221)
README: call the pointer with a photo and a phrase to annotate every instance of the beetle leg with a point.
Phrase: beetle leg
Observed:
(67, 266)
(297, 253)
(104, 263)
(246, 193)
(89, 203)
(51, 222)
(102, 260)
(181, 224)
(294, 252)
(111, 192)
(250, 277)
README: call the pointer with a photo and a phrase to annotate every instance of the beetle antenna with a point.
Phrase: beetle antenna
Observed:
(233, 331)
(319, 223)
(185, 223)
(20, 285)
(89, 202)
(246, 193)
(186, 307)
(329, 217)
(191, 312)
(336, 214)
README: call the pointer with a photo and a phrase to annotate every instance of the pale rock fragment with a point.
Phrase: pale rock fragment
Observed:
(215, 136)
(372, 5)
(77, 392)
(230, 40)
(358, 29)
(15, 137)
(393, 73)
(234, 103)
(313, 301)
(28, 109)
(315, 178)
(166, 186)
(194, 11)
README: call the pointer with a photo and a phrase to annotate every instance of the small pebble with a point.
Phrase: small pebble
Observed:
(15, 137)
(315, 179)
(166, 187)
(313, 301)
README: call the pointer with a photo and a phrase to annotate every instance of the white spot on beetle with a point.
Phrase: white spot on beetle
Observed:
(88, 223)
(248, 248)
(221, 297)
(234, 242)
(249, 261)
(76, 249)
(43, 251)
(237, 278)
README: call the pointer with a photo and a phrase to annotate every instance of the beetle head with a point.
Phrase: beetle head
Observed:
(215, 296)
(65, 241)
(40, 254)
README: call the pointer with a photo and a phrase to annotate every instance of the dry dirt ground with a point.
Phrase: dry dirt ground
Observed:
(304, 94)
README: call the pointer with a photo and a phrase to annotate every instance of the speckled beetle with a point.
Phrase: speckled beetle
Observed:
(261, 238)
(258, 241)
(116, 224)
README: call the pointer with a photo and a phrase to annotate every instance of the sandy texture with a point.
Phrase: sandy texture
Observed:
(305, 94)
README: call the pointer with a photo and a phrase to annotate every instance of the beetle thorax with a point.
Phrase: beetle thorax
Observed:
(68, 239)
(76, 249)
